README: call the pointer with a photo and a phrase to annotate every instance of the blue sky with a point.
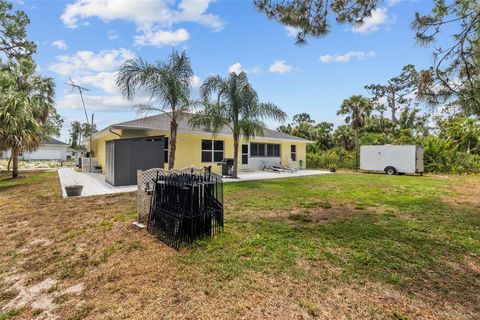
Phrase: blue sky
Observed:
(87, 40)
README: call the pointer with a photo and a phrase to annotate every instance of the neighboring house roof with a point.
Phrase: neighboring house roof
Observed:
(162, 122)
(50, 140)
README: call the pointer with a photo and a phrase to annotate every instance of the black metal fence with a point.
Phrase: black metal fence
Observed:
(186, 206)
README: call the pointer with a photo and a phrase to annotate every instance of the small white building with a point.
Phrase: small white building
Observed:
(50, 149)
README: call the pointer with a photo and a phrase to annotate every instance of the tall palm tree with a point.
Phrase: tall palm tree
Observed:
(167, 82)
(19, 131)
(26, 106)
(357, 109)
(235, 105)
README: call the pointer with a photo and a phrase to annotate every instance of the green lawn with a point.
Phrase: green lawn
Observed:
(395, 230)
(330, 246)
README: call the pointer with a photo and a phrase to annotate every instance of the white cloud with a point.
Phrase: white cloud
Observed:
(280, 66)
(235, 68)
(254, 70)
(86, 62)
(112, 35)
(346, 57)
(103, 80)
(196, 82)
(392, 3)
(153, 19)
(93, 69)
(195, 10)
(292, 31)
(60, 44)
(379, 16)
(162, 38)
(104, 103)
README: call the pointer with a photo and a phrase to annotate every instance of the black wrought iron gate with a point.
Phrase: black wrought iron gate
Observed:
(186, 206)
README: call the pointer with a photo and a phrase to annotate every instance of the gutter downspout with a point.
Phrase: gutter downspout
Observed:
(110, 130)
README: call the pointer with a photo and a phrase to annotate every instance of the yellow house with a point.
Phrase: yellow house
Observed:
(201, 148)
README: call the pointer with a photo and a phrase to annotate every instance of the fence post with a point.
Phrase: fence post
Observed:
(140, 195)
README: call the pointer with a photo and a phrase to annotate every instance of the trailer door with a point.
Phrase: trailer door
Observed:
(419, 160)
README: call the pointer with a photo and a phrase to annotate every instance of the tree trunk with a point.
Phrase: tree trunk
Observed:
(173, 143)
(382, 128)
(9, 162)
(357, 148)
(394, 110)
(15, 164)
(236, 143)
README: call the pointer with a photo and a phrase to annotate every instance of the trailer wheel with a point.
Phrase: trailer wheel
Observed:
(390, 170)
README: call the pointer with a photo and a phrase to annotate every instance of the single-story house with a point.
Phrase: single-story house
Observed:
(200, 148)
(50, 149)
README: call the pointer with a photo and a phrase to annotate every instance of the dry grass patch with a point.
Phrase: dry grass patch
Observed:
(327, 247)
(466, 191)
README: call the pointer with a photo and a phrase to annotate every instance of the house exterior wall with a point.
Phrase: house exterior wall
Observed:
(189, 146)
(44, 152)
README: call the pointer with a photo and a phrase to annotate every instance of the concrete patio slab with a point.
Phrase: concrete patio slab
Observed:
(267, 175)
(95, 184)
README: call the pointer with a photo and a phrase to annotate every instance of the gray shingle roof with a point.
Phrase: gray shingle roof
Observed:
(50, 140)
(162, 122)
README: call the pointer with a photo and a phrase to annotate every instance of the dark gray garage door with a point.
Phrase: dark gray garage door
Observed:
(123, 157)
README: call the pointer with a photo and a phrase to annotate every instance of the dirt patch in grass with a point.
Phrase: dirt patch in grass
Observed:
(380, 301)
(464, 191)
(39, 296)
(319, 214)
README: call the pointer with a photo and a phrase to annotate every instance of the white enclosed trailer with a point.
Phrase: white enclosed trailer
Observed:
(392, 159)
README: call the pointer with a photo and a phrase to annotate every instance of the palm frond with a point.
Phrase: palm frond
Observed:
(271, 111)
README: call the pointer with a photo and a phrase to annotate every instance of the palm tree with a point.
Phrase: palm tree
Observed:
(235, 105)
(19, 131)
(75, 134)
(343, 137)
(26, 106)
(168, 83)
(357, 110)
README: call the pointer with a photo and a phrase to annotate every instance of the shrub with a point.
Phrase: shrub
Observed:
(441, 157)
(333, 158)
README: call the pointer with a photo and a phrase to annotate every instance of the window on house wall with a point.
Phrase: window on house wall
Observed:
(293, 152)
(264, 150)
(276, 150)
(244, 153)
(269, 150)
(212, 150)
(253, 149)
